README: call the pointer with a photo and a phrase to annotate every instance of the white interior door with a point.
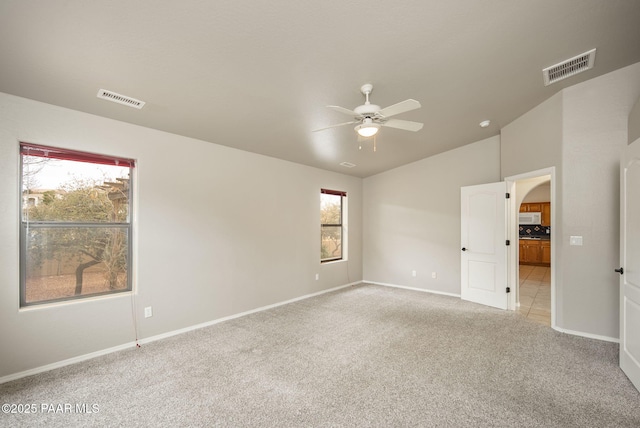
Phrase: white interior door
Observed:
(630, 263)
(483, 246)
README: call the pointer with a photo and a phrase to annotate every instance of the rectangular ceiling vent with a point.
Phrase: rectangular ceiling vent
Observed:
(570, 67)
(120, 99)
(348, 164)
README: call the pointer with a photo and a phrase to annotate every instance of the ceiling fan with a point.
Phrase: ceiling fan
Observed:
(370, 117)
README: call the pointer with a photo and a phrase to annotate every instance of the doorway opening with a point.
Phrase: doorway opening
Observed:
(531, 262)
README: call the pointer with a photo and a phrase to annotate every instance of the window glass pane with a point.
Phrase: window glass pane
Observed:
(76, 226)
(330, 209)
(331, 247)
(63, 262)
(71, 191)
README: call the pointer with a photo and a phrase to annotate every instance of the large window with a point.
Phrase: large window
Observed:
(331, 229)
(75, 236)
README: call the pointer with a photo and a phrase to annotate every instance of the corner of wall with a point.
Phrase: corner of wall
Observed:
(634, 123)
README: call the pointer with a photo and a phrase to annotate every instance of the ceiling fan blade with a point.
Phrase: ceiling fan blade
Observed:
(401, 107)
(335, 126)
(405, 125)
(343, 110)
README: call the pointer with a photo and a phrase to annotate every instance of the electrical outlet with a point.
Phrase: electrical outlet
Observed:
(148, 312)
(414, 273)
(434, 275)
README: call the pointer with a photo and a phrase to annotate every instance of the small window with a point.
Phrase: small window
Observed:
(75, 238)
(331, 230)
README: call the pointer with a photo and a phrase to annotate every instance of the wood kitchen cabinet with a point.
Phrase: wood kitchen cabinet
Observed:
(535, 252)
(545, 209)
(531, 252)
(545, 252)
(531, 207)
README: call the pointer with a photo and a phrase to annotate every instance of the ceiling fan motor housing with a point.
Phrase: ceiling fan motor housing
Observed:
(367, 110)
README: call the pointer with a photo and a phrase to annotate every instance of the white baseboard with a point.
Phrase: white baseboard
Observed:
(66, 362)
(241, 314)
(561, 330)
(411, 288)
(124, 346)
(587, 335)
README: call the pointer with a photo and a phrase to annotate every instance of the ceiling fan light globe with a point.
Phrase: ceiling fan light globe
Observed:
(367, 129)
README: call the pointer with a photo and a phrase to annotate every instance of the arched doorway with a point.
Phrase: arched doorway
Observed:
(519, 186)
(533, 198)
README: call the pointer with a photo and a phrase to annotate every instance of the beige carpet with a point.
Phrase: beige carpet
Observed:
(366, 356)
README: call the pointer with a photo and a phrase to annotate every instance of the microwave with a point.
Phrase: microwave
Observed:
(530, 218)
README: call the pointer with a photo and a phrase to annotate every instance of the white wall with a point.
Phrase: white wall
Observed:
(412, 217)
(634, 122)
(533, 141)
(581, 131)
(595, 130)
(241, 231)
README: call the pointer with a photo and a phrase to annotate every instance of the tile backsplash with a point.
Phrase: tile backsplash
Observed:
(534, 230)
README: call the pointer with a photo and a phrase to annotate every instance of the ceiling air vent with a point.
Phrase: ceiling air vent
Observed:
(568, 68)
(348, 164)
(120, 99)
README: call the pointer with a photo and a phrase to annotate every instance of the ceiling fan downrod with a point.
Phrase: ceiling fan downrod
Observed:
(366, 89)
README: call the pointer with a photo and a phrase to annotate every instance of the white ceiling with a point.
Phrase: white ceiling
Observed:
(257, 75)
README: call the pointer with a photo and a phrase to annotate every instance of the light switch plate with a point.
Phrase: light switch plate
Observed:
(575, 240)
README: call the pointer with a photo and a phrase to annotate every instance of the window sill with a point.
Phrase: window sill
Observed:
(60, 303)
(330, 262)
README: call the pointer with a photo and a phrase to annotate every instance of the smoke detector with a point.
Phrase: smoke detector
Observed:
(570, 67)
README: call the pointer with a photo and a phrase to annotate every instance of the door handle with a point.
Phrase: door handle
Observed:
(464, 249)
(620, 271)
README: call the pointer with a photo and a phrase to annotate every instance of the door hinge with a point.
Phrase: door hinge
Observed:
(508, 289)
(507, 195)
(508, 242)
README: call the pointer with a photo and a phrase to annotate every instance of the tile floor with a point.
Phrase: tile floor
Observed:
(535, 293)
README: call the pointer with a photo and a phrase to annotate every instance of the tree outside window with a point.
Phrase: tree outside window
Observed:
(76, 228)
(331, 219)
